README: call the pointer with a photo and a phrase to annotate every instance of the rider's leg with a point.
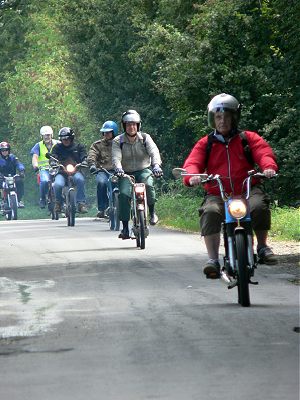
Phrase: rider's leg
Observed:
(261, 222)
(58, 185)
(211, 217)
(80, 192)
(124, 206)
(44, 179)
(102, 200)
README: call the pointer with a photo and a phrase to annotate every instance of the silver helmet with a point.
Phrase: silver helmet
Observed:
(224, 102)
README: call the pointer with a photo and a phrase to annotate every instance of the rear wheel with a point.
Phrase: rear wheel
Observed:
(116, 211)
(242, 269)
(71, 208)
(13, 204)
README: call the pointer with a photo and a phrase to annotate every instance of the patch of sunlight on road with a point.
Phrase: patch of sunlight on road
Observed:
(28, 309)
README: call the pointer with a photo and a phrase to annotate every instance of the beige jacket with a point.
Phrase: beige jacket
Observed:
(140, 154)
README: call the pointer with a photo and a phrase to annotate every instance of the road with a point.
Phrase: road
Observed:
(84, 315)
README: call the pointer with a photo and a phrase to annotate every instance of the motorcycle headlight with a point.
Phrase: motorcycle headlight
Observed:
(70, 168)
(237, 209)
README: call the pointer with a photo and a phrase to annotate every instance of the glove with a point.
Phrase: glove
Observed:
(157, 171)
(84, 163)
(22, 173)
(93, 169)
(36, 169)
(120, 172)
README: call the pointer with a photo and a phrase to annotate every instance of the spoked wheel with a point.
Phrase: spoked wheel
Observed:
(13, 204)
(141, 218)
(71, 208)
(115, 211)
(243, 273)
(51, 205)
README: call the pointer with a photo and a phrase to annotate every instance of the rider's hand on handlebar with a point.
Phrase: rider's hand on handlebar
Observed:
(195, 180)
(269, 173)
(93, 169)
(22, 173)
(120, 172)
(157, 171)
(36, 169)
(84, 163)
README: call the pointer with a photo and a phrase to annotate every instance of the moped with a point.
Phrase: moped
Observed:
(240, 261)
(9, 197)
(113, 200)
(138, 212)
(68, 192)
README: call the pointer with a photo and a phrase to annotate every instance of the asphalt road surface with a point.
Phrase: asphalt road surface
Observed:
(87, 316)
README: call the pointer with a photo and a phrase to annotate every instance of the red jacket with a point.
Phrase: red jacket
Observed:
(228, 160)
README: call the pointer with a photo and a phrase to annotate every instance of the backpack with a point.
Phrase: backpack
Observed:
(144, 139)
(246, 147)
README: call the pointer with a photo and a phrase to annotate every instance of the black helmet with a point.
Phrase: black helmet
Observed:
(4, 146)
(131, 116)
(224, 102)
(66, 133)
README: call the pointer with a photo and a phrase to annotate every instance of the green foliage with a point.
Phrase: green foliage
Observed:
(181, 212)
(80, 63)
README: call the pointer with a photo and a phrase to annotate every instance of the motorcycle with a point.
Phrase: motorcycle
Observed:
(240, 261)
(113, 200)
(50, 193)
(138, 212)
(68, 192)
(9, 197)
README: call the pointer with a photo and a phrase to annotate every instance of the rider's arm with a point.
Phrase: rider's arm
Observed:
(35, 152)
(195, 162)
(82, 152)
(92, 155)
(262, 152)
(153, 151)
(116, 153)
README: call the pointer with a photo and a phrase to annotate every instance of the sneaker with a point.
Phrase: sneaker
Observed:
(82, 209)
(21, 204)
(57, 207)
(124, 234)
(266, 256)
(212, 269)
(42, 203)
(101, 214)
(153, 219)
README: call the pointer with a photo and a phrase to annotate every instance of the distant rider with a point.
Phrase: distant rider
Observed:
(69, 152)
(100, 156)
(10, 165)
(39, 161)
(135, 153)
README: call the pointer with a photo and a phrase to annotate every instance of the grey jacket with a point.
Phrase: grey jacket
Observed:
(134, 156)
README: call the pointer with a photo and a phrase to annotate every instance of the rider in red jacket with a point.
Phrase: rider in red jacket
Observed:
(227, 158)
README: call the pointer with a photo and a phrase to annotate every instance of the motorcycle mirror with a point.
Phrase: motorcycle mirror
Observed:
(177, 172)
(47, 155)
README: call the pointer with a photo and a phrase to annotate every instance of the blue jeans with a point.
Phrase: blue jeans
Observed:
(44, 179)
(102, 181)
(79, 182)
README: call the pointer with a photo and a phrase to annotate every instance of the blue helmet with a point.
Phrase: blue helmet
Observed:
(109, 126)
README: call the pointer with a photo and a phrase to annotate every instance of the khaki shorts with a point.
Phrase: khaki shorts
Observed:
(212, 212)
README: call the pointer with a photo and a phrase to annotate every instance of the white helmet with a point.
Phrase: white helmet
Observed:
(131, 116)
(224, 102)
(46, 130)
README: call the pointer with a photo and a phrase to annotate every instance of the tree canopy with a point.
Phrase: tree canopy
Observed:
(80, 63)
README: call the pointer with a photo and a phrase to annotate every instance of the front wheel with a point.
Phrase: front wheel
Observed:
(141, 219)
(13, 204)
(242, 269)
(71, 208)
